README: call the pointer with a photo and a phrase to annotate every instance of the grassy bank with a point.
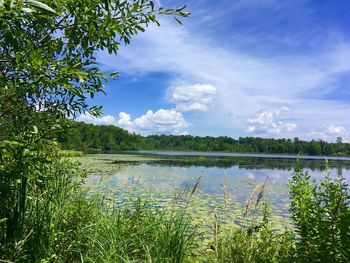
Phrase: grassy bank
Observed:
(63, 222)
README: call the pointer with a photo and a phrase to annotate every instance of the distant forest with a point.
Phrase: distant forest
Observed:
(100, 138)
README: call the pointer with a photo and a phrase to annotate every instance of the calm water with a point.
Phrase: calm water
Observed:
(159, 177)
(277, 156)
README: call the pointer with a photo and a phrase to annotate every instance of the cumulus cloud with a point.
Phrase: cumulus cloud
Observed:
(103, 120)
(159, 122)
(264, 122)
(196, 97)
(329, 133)
(335, 130)
(247, 79)
(125, 121)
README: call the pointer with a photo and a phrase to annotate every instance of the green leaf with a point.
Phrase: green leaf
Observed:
(178, 20)
(40, 5)
(18, 58)
(31, 176)
(27, 10)
(14, 143)
(114, 75)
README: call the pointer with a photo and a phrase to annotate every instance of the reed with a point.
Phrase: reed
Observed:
(63, 222)
(225, 191)
(71, 153)
(196, 185)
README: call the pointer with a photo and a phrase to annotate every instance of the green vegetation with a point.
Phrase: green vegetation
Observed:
(48, 69)
(263, 245)
(97, 139)
(77, 226)
(70, 153)
(321, 213)
(62, 223)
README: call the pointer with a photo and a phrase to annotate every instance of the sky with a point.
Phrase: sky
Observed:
(267, 68)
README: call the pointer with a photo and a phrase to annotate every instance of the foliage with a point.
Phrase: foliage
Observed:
(48, 48)
(264, 245)
(48, 69)
(76, 226)
(26, 232)
(87, 230)
(67, 153)
(140, 233)
(92, 138)
(321, 213)
(254, 240)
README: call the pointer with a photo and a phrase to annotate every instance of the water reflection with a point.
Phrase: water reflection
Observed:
(243, 162)
(159, 178)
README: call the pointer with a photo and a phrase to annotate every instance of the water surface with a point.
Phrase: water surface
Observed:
(257, 155)
(226, 182)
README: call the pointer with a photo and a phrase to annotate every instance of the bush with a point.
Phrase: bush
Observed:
(321, 214)
(256, 242)
(37, 198)
(242, 245)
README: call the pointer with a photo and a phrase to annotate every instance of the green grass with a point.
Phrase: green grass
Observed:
(71, 153)
(64, 222)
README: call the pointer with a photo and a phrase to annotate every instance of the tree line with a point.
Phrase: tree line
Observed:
(107, 138)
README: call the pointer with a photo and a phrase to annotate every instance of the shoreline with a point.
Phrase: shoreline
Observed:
(229, 154)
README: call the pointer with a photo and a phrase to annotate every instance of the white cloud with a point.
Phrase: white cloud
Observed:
(335, 130)
(329, 133)
(125, 121)
(246, 81)
(103, 120)
(281, 127)
(161, 121)
(264, 122)
(196, 97)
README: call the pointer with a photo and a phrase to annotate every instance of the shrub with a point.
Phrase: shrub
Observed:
(255, 243)
(321, 214)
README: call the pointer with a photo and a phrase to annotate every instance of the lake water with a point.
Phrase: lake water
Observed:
(226, 182)
(256, 155)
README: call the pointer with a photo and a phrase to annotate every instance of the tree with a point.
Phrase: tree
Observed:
(48, 53)
(48, 69)
(339, 140)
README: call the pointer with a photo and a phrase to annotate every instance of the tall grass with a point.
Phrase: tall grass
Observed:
(141, 234)
(64, 223)
(71, 153)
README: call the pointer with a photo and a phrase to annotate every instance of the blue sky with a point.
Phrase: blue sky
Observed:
(267, 68)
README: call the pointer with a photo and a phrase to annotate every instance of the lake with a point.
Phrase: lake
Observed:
(226, 181)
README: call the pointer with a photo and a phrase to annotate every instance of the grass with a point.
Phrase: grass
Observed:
(71, 153)
(67, 223)
(87, 230)
(140, 234)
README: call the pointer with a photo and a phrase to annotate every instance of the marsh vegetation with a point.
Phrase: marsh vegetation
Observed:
(127, 208)
(139, 208)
